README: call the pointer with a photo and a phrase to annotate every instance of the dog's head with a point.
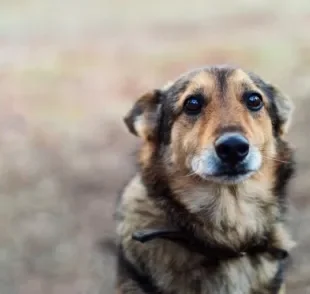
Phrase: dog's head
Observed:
(220, 124)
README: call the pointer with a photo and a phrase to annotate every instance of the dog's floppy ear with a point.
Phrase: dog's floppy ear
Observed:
(142, 119)
(284, 108)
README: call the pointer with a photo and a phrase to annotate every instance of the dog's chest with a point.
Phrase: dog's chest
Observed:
(240, 276)
(230, 216)
(174, 269)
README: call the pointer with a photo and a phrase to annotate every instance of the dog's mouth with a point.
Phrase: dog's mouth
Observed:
(230, 176)
(232, 171)
(208, 166)
(233, 175)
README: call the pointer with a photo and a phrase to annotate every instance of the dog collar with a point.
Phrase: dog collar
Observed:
(207, 249)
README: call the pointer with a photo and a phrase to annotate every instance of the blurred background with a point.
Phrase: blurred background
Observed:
(69, 71)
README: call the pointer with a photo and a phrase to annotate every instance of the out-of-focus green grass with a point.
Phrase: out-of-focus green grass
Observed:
(69, 71)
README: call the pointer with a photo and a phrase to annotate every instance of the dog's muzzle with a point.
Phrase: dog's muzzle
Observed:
(231, 159)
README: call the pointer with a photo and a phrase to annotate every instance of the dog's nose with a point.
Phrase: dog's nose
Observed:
(232, 148)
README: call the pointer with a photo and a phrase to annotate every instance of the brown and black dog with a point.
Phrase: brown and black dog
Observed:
(206, 211)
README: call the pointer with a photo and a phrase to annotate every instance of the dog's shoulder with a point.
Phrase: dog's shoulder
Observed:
(135, 210)
(143, 264)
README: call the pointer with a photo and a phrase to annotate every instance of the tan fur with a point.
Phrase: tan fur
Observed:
(177, 268)
(145, 122)
(282, 290)
(227, 214)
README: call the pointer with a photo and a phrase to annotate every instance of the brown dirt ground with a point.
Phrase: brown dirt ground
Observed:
(69, 72)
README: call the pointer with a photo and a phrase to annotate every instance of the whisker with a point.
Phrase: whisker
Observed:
(190, 174)
(272, 158)
(275, 159)
(193, 173)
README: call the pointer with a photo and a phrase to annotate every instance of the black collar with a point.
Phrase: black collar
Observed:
(177, 215)
(207, 249)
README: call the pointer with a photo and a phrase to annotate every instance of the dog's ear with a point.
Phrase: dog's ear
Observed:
(142, 119)
(284, 108)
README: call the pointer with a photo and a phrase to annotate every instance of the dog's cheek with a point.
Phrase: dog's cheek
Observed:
(259, 129)
(269, 149)
(176, 145)
(192, 146)
(181, 144)
(265, 141)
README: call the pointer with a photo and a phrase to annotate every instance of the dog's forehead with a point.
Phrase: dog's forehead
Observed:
(218, 78)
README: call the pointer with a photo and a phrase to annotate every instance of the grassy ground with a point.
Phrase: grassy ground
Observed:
(69, 71)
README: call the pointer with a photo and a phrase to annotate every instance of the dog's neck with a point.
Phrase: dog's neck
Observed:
(232, 215)
(224, 216)
(211, 252)
(188, 229)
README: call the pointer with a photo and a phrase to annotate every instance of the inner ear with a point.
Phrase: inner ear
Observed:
(142, 119)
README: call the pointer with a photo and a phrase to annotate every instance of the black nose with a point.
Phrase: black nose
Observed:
(232, 148)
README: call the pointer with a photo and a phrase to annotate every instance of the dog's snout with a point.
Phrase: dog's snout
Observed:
(232, 148)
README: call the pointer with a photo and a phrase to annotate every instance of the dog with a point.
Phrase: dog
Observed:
(206, 211)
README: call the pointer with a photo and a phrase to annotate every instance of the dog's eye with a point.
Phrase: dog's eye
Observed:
(193, 105)
(254, 101)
